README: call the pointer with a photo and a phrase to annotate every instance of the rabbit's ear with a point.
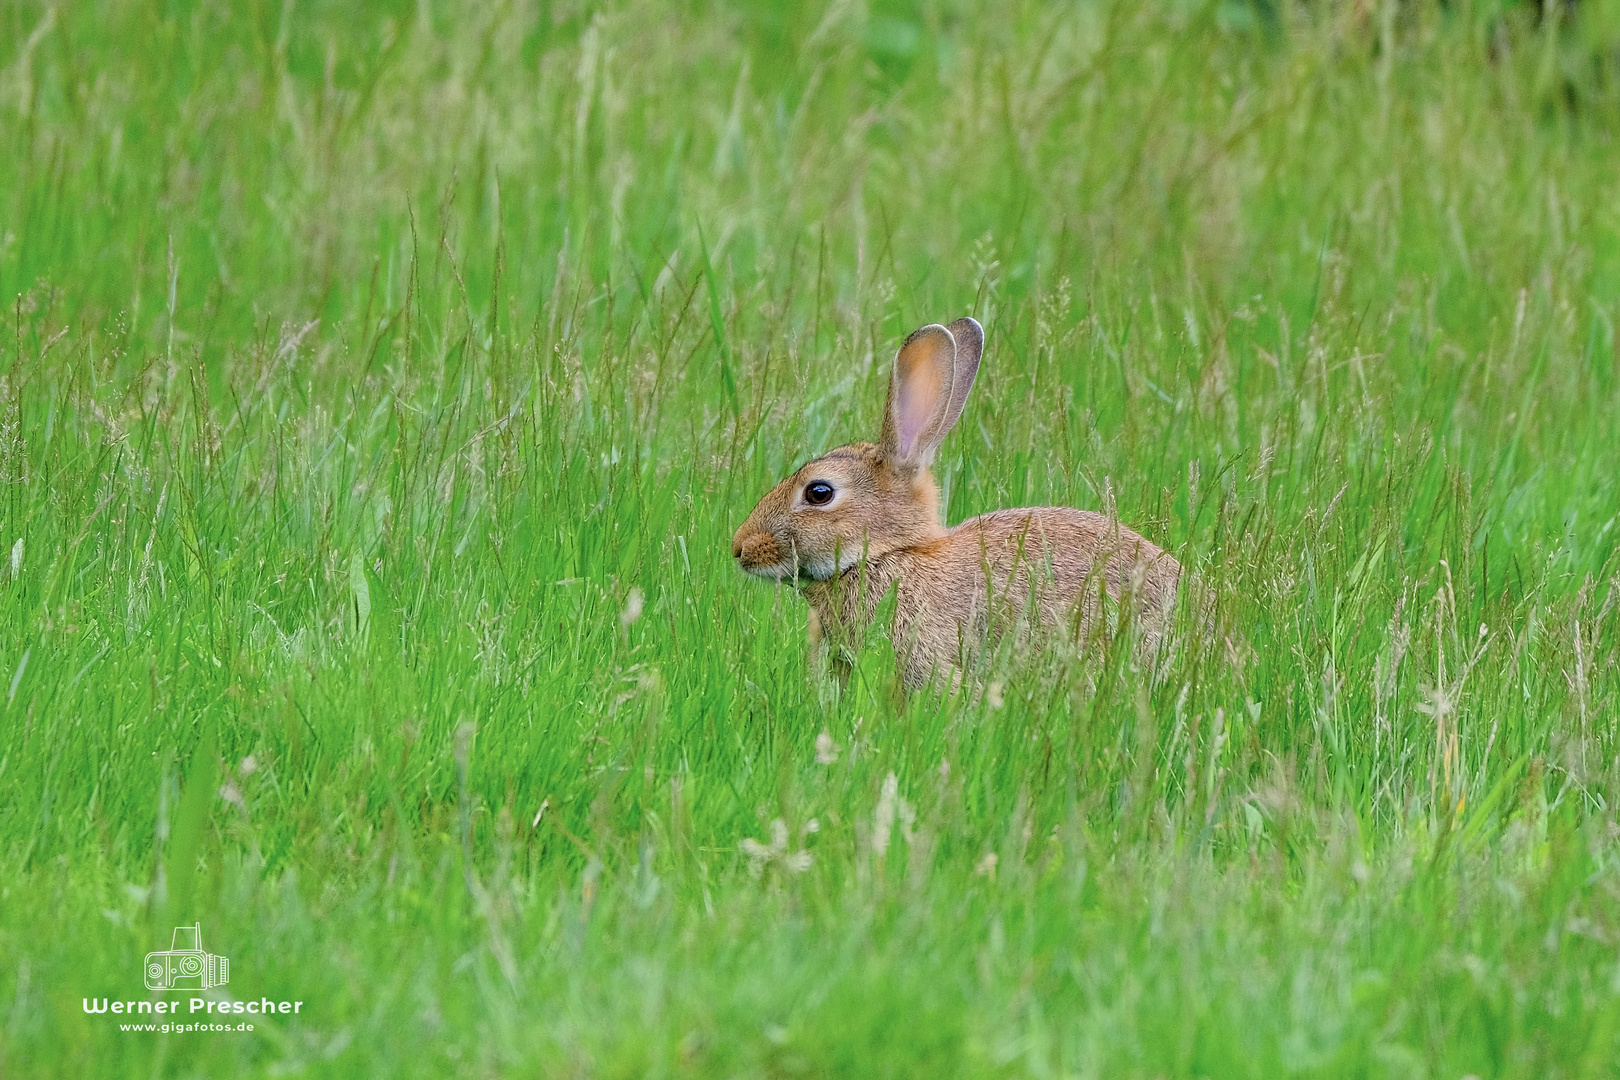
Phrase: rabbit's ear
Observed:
(919, 396)
(969, 338)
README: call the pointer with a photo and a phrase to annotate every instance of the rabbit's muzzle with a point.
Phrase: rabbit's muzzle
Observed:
(756, 551)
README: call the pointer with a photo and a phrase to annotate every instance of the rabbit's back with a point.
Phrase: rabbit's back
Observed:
(1067, 551)
(1019, 571)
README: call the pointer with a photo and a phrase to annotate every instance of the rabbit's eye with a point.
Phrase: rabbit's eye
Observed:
(818, 493)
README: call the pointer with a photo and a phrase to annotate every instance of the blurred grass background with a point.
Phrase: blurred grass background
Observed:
(382, 384)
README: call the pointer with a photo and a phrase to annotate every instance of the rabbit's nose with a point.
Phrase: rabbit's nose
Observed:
(755, 549)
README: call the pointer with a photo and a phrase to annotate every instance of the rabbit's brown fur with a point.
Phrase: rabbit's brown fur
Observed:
(1019, 571)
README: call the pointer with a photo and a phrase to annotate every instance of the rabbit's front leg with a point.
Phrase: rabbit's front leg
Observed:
(827, 658)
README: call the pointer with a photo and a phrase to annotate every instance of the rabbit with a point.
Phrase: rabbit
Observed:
(864, 518)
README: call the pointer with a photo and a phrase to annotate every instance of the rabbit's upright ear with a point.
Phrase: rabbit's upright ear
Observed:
(969, 338)
(920, 393)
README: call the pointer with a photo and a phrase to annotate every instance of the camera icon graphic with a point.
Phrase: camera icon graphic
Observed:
(186, 966)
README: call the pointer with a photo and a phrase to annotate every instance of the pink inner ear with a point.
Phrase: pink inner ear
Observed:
(916, 403)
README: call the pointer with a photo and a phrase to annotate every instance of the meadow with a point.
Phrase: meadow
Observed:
(380, 387)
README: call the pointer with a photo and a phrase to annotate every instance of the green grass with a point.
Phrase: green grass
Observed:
(379, 391)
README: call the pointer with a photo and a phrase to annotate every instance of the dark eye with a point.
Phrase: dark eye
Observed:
(818, 493)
